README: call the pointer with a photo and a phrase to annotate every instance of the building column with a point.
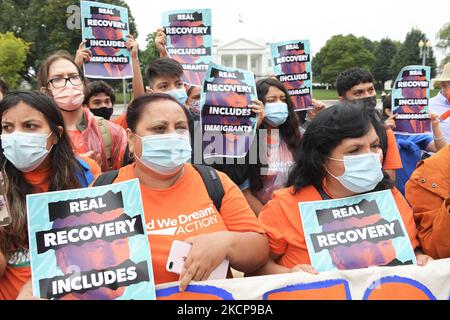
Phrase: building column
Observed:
(249, 62)
(234, 61)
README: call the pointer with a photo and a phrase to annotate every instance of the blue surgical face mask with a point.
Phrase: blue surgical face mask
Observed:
(362, 172)
(179, 94)
(26, 151)
(276, 113)
(166, 153)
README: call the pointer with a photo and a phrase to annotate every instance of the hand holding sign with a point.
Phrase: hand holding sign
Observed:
(83, 55)
(258, 108)
(132, 46)
(160, 42)
(304, 268)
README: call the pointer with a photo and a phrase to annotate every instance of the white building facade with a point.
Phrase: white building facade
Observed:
(244, 54)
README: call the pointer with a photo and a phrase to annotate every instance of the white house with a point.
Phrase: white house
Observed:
(244, 54)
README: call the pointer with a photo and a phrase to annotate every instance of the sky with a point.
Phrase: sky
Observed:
(317, 20)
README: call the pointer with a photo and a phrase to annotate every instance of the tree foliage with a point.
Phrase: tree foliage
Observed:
(409, 54)
(340, 53)
(384, 54)
(13, 54)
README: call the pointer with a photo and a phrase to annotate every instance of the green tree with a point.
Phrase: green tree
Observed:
(444, 41)
(384, 54)
(340, 53)
(149, 54)
(44, 24)
(409, 54)
(13, 54)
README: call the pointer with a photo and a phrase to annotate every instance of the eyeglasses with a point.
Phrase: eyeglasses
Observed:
(59, 83)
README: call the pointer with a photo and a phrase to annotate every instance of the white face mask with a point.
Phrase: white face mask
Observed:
(26, 151)
(166, 153)
(363, 172)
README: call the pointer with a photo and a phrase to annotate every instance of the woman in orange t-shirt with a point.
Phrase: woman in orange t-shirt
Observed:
(37, 157)
(339, 157)
(176, 203)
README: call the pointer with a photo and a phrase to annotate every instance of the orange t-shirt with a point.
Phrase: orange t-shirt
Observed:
(281, 219)
(185, 210)
(392, 160)
(122, 121)
(18, 269)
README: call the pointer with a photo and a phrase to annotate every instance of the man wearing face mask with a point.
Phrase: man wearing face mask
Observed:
(100, 99)
(440, 104)
(355, 87)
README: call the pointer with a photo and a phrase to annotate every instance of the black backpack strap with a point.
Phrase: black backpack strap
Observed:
(106, 178)
(213, 184)
(322, 192)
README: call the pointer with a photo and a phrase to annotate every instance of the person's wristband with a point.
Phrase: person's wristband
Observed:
(439, 138)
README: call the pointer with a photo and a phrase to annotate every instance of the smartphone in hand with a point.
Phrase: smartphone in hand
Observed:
(178, 254)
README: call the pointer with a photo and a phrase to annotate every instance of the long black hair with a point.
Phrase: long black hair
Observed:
(65, 169)
(322, 136)
(289, 131)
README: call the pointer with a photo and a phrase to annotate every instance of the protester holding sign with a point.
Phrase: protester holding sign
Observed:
(177, 204)
(59, 77)
(37, 157)
(355, 85)
(411, 147)
(428, 192)
(339, 157)
(440, 104)
(278, 140)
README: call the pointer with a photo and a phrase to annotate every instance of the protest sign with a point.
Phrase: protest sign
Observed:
(355, 232)
(410, 99)
(5, 217)
(104, 29)
(228, 124)
(189, 41)
(431, 282)
(90, 244)
(292, 66)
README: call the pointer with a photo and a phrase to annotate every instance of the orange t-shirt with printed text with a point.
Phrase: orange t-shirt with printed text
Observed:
(392, 160)
(185, 210)
(281, 220)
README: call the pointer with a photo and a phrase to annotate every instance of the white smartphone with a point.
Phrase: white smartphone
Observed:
(178, 254)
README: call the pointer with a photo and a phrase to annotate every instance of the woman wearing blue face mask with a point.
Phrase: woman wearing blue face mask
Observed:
(277, 140)
(340, 156)
(176, 202)
(36, 157)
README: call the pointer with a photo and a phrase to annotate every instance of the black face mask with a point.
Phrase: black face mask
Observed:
(104, 112)
(369, 102)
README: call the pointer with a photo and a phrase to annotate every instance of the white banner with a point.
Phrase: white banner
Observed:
(430, 282)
